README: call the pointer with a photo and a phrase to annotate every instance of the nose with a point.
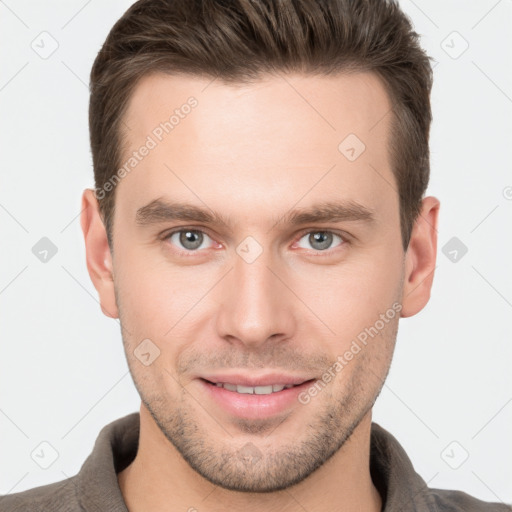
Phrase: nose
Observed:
(257, 307)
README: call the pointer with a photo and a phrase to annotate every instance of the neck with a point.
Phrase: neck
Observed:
(159, 476)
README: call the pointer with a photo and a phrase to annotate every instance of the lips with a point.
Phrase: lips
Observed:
(253, 402)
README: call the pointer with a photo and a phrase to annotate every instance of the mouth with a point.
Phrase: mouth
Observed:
(257, 401)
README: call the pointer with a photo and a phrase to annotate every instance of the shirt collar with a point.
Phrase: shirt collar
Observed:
(115, 448)
(393, 474)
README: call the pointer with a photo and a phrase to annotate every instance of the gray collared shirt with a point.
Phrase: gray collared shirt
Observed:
(95, 487)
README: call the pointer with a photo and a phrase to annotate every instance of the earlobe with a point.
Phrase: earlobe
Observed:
(98, 255)
(420, 259)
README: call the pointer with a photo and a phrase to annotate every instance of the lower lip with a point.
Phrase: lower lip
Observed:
(252, 406)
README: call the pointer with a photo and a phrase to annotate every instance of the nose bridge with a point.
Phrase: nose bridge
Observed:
(257, 304)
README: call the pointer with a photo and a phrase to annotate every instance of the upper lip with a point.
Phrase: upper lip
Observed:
(253, 381)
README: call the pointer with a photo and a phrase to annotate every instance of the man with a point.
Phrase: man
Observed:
(258, 226)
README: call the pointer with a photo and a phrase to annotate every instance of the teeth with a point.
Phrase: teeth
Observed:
(246, 389)
(264, 390)
(256, 390)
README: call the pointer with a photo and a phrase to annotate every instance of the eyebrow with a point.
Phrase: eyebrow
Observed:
(159, 210)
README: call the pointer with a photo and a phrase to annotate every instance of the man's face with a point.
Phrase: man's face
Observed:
(258, 295)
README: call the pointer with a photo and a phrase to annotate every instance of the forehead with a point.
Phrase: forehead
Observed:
(280, 134)
(327, 106)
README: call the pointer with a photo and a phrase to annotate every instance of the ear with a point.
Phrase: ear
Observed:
(98, 256)
(420, 259)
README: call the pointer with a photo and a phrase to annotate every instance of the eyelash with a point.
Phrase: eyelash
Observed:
(327, 252)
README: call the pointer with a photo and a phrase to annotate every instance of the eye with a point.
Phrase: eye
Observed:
(320, 240)
(189, 239)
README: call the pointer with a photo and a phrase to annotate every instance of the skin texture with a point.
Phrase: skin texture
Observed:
(252, 153)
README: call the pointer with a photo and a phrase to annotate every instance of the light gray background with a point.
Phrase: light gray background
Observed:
(63, 373)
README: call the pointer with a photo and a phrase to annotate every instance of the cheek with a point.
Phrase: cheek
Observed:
(364, 360)
(351, 296)
(153, 294)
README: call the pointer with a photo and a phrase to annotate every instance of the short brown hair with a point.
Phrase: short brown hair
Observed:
(239, 40)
